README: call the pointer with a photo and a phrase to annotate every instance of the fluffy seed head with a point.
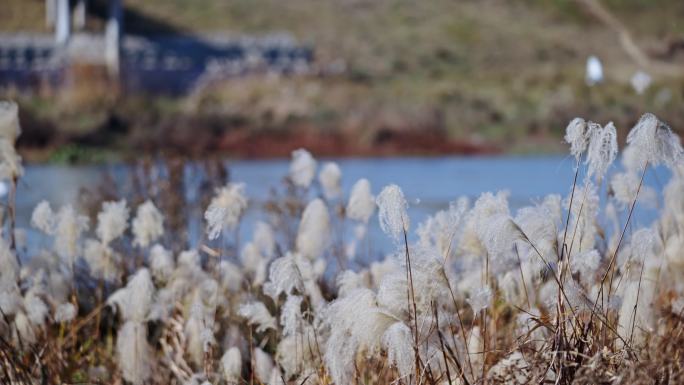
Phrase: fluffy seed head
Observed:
(398, 342)
(330, 178)
(602, 149)
(392, 206)
(102, 260)
(36, 309)
(135, 300)
(291, 315)
(68, 228)
(256, 313)
(148, 224)
(65, 312)
(284, 276)
(8, 261)
(313, 236)
(577, 135)
(225, 209)
(586, 264)
(161, 263)
(624, 187)
(302, 168)
(654, 142)
(10, 161)
(43, 218)
(112, 221)
(9, 121)
(480, 299)
(361, 202)
(134, 353)
(498, 234)
(263, 366)
(231, 363)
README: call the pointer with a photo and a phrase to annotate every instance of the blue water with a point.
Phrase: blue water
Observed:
(429, 184)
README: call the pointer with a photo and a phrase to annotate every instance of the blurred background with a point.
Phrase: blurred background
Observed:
(102, 80)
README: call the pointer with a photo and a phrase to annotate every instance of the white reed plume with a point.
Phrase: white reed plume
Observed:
(225, 209)
(586, 265)
(65, 312)
(302, 168)
(642, 244)
(230, 276)
(254, 263)
(148, 224)
(36, 309)
(475, 349)
(112, 221)
(231, 364)
(392, 206)
(511, 287)
(583, 217)
(313, 236)
(330, 179)
(257, 314)
(355, 322)
(9, 121)
(512, 369)
(577, 135)
(349, 280)
(69, 226)
(361, 203)
(540, 222)
(10, 161)
(263, 366)
(200, 325)
(624, 187)
(486, 209)
(480, 299)
(602, 149)
(297, 353)
(189, 259)
(291, 315)
(284, 276)
(398, 340)
(135, 299)
(161, 263)
(8, 262)
(443, 230)
(43, 218)
(23, 332)
(103, 261)
(498, 234)
(134, 353)
(636, 317)
(10, 297)
(654, 142)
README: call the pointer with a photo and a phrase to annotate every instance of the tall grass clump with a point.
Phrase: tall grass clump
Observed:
(564, 290)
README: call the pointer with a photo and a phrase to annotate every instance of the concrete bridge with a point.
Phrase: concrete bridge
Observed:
(170, 62)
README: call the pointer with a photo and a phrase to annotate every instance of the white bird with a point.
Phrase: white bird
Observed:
(594, 71)
(641, 81)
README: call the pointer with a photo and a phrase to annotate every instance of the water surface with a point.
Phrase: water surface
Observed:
(429, 184)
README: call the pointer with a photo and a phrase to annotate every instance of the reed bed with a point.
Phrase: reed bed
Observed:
(565, 290)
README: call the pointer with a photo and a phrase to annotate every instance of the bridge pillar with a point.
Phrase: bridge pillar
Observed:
(113, 37)
(80, 14)
(62, 22)
(50, 11)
